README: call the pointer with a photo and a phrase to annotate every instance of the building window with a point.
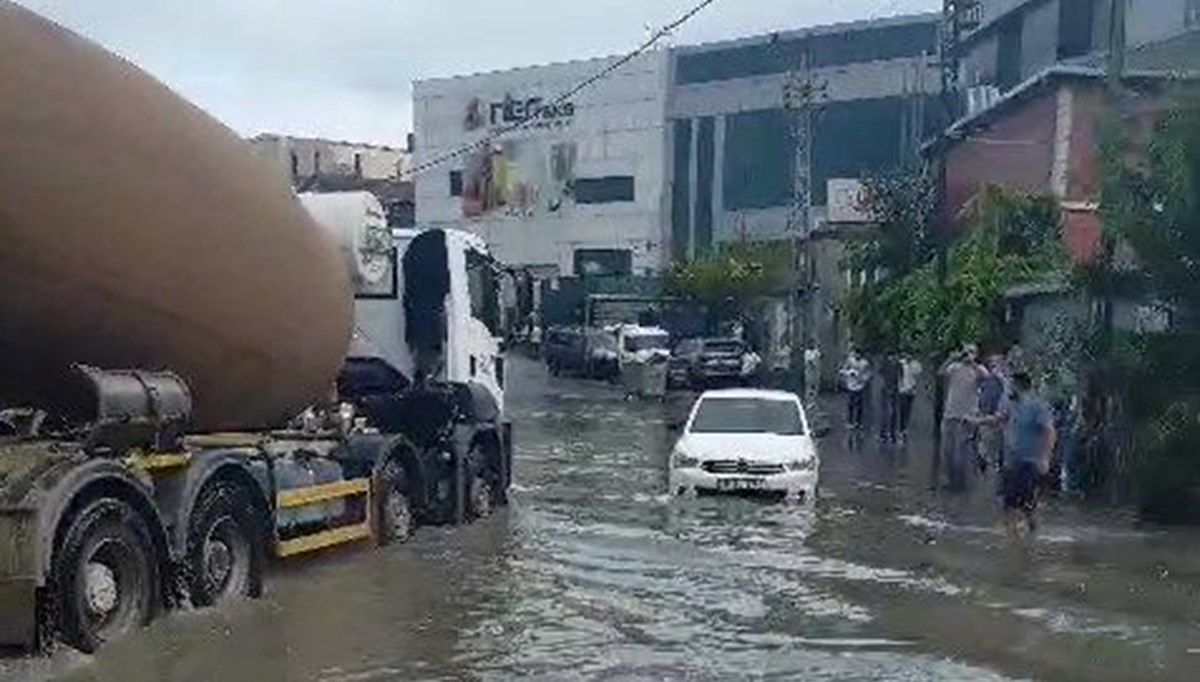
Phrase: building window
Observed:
(1192, 17)
(828, 50)
(759, 158)
(358, 165)
(456, 183)
(605, 190)
(295, 165)
(603, 262)
(1008, 53)
(1075, 27)
(316, 163)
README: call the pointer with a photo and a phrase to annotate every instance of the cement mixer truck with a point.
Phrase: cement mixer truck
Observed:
(200, 372)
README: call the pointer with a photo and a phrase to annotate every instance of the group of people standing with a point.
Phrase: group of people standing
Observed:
(992, 416)
(899, 375)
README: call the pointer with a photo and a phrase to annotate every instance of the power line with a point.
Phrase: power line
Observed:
(564, 97)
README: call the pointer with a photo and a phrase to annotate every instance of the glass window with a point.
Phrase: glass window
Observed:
(748, 415)
(456, 183)
(634, 344)
(604, 190)
(1192, 16)
(483, 287)
(759, 157)
(834, 49)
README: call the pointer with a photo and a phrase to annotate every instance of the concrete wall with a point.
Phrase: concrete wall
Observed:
(1016, 151)
(333, 157)
(616, 128)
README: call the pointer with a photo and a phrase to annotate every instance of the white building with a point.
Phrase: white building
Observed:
(305, 157)
(566, 187)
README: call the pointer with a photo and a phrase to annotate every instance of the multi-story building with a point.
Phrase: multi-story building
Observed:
(1015, 40)
(736, 136)
(560, 186)
(318, 165)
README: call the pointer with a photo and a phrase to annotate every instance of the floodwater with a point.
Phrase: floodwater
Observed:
(595, 574)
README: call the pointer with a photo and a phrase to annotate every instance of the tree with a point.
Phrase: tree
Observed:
(730, 281)
(1152, 214)
(1011, 239)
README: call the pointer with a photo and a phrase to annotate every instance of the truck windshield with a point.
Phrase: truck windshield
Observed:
(748, 415)
(634, 344)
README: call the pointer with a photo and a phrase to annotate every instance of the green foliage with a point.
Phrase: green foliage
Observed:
(1152, 209)
(1012, 239)
(732, 279)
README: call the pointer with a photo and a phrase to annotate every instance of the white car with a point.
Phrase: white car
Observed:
(739, 440)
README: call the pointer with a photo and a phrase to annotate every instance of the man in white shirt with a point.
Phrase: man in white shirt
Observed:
(812, 374)
(962, 373)
(856, 376)
(910, 374)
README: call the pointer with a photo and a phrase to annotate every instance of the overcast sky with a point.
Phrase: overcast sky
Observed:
(344, 68)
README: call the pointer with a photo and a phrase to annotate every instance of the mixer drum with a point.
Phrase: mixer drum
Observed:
(138, 232)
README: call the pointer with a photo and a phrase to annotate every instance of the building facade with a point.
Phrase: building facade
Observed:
(318, 165)
(306, 157)
(1017, 39)
(561, 187)
(736, 137)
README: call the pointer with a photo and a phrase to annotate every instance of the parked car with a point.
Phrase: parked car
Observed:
(707, 362)
(565, 350)
(746, 440)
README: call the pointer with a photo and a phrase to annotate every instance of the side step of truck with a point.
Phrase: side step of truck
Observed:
(303, 497)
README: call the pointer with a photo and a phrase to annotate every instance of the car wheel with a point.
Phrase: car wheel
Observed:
(105, 575)
(225, 553)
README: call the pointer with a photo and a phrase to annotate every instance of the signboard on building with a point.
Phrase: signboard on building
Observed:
(847, 201)
(528, 112)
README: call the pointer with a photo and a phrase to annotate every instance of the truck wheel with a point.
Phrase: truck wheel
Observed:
(225, 554)
(480, 491)
(105, 573)
(393, 510)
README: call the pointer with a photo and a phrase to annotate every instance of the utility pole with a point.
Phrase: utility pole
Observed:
(800, 93)
(958, 17)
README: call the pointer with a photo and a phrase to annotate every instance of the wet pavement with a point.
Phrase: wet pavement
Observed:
(594, 573)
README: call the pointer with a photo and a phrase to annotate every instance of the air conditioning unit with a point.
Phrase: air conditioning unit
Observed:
(981, 98)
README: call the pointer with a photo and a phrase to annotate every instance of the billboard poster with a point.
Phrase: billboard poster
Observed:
(518, 178)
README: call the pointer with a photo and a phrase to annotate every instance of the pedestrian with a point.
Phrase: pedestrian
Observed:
(1029, 443)
(993, 389)
(889, 398)
(910, 374)
(961, 374)
(812, 375)
(856, 376)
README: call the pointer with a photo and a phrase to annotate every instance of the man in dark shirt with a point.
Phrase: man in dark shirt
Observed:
(889, 398)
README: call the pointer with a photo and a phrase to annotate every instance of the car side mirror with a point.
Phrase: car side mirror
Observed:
(674, 426)
(822, 431)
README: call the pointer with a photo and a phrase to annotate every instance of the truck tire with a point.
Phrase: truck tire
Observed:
(394, 518)
(225, 548)
(481, 496)
(105, 575)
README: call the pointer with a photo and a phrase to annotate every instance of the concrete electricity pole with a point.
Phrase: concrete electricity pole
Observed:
(801, 91)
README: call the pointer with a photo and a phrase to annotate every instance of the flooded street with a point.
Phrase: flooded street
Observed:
(594, 573)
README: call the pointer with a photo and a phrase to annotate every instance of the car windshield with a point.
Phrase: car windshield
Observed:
(646, 342)
(748, 415)
(722, 346)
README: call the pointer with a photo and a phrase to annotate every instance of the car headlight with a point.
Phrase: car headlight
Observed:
(682, 460)
(802, 464)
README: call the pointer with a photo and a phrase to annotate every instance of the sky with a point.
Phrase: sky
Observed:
(343, 69)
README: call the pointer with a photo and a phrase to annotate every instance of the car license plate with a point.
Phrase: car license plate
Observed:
(740, 484)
